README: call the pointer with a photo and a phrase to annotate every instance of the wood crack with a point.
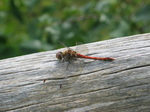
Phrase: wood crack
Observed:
(130, 68)
(13, 72)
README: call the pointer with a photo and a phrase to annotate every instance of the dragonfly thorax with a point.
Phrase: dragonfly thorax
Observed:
(66, 55)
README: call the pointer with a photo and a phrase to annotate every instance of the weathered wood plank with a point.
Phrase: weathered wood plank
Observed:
(87, 86)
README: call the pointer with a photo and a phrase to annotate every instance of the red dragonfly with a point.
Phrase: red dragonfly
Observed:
(71, 54)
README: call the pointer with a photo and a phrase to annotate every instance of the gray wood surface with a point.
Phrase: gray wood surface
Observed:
(86, 85)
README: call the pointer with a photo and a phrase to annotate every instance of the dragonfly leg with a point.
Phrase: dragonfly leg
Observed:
(68, 65)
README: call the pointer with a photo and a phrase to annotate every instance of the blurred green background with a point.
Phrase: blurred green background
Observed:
(29, 26)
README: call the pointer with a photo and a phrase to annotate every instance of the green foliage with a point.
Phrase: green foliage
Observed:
(28, 26)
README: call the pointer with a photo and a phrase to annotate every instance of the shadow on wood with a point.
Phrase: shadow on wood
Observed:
(122, 85)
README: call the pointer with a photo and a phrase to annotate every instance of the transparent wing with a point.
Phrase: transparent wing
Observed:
(82, 49)
(65, 45)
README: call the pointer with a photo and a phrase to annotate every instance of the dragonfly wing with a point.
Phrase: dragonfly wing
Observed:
(82, 49)
(64, 45)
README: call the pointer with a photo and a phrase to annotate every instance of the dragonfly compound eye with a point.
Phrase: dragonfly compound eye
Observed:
(59, 55)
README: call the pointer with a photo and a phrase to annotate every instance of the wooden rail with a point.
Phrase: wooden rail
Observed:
(86, 85)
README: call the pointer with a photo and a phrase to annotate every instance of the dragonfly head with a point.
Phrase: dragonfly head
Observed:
(59, 55)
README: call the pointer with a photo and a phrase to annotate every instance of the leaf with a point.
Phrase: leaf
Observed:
(143, 14)
(15, 11)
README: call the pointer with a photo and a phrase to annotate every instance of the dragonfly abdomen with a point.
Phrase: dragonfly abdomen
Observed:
(95, 58)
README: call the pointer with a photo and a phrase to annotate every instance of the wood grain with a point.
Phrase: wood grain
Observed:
(86, 85)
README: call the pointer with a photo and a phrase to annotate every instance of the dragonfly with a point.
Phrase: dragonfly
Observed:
(71, 54)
